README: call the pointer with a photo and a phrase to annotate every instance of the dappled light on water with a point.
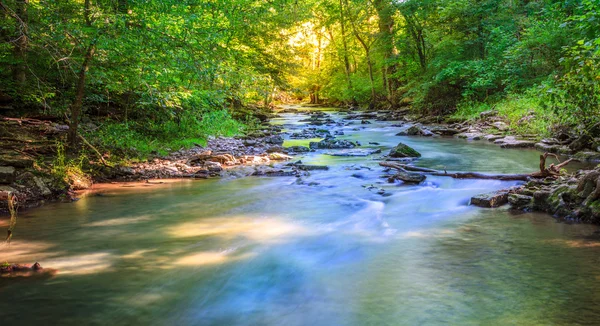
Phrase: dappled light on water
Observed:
(82, 264)
(261, 230)
(208, 258)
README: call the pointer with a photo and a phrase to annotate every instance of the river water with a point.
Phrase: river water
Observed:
(273, 251)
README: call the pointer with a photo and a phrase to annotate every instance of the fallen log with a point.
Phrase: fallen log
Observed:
(552, 171)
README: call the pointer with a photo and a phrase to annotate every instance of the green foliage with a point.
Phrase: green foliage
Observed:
(524, 112)
(139, 139)
(575, 95)
(64, 167)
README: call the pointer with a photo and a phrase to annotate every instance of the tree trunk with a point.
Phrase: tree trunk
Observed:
(80, 89)
(386, 11)
(416, 32)
(21, 43)
(346, 59)
(79, 94)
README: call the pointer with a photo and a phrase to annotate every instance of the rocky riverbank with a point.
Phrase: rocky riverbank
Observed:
(574, 197)
(260, 152)
(584, 146)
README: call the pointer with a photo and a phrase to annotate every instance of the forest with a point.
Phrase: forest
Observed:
(137, 77)
(299, 162)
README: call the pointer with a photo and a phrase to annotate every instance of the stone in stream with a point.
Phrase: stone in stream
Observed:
(444, 131)
(354, 152)
(492, 199)
(411, 131)
(275, 140)
(332, 143)
(279, 157)
(512, 142)
(493, 138)
(407, 177)
(308, 167)
(588, 156)
(298, 149)
(520, 201)
(402, 150)
(475, 135)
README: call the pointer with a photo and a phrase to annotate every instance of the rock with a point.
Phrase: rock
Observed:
(365, 122)
(581, 143)
(500, 125)
(470, 135)
(512, 142)
(298, 149)
(490, 200)
(411, 131)
(550, 141)
(17, 161)
(547, 148)
(332, 143)
(493, 137)
(275, 149)
(275, 140)
(213, 166)
(519, 201)
(250, 142)
(489, 113)
(308, 167)
(445, 131)
(402, 150)
(408, 177)
(355, 152)
(7, 174)
(588, 156)
(279, 157)
(15, 268)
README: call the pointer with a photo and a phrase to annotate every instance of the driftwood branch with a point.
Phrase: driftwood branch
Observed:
(94, 149)
(550, 171)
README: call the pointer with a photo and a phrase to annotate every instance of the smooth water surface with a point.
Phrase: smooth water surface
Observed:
(275, 251)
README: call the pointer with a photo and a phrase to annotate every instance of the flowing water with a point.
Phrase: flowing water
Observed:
(272, 251)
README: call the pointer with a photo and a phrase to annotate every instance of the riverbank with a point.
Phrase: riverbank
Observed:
(261, 152)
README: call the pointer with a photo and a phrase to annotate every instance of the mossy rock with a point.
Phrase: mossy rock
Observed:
(403, 150)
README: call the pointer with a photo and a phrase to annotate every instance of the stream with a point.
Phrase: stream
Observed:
(326, 251)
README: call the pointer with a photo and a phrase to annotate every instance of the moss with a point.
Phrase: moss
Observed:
(403, 150)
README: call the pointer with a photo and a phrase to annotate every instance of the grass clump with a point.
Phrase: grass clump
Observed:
(142, 138)
(70, 170)
(524, 113)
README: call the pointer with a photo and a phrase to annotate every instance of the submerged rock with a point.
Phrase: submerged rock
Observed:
(332, 143)
(355, 152)
(490, 200)
(298, 149)
(403, 150)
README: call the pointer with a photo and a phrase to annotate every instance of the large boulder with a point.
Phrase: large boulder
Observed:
(403, 150)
